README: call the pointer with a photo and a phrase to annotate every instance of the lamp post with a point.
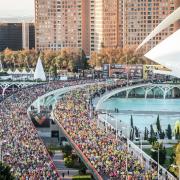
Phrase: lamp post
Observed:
(116, 129)
(1, 156)
(140, 134)
(157, 159)
(106, 121)
(127, 71)
(158, 162)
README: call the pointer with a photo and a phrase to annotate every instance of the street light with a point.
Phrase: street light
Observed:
(140, 134)
(1, 155)
(116, 128)
(158, 158)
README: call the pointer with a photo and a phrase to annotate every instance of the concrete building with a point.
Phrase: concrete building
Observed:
(142, 16)
(17, 36)
(106, 24)
(93, 24)
(58, 24)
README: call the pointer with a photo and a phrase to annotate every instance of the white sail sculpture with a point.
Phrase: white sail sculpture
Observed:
(172, 18)
(39, 71)
(167, 53)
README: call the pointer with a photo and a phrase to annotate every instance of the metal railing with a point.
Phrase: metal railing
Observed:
(78, 151)
(141, 155)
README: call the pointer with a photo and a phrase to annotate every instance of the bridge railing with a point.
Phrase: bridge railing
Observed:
(141, 155)
(78, 151)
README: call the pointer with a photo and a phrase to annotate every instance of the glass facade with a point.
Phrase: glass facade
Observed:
(11, 36)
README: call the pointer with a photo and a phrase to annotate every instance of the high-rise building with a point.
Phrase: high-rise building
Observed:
(176, 5)
(93, 24)
(106, 24)
(140, 17)
(17, 36)
(58, 24)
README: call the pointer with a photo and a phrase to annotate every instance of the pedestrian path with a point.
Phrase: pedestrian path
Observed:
(62, 169)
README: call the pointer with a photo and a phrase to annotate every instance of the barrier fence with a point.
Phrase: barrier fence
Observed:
(79, 152)
(142, 156)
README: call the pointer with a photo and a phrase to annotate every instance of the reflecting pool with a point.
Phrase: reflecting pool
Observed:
(145, 111)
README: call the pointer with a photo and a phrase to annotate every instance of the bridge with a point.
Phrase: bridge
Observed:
(54, 95)
(144, 90)
(5, 85)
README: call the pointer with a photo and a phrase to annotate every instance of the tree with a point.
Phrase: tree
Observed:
(132, 124)
(146, 134)
(132, 134)
(169, 132)
(159, 129)
(162, 135)
(162, 152)
(5, 172)
(67, 150)
(177, 133)
(152, 135)
(158, 125)
(136, 132)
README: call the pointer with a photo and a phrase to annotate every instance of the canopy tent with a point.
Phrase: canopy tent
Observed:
(31, 72)
(9, 71)
(167, 53)
(17, 72)
(24, 72)
(39, 71)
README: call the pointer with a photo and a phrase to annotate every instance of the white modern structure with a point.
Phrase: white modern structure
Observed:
(167, 52)
(39, 71)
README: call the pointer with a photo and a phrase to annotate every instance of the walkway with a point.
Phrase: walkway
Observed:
(59, 163)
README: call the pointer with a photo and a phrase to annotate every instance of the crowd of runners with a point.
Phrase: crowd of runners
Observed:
(109, 156)
(21, 147)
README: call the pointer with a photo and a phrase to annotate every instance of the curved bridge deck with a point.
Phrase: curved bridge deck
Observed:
(63, 120)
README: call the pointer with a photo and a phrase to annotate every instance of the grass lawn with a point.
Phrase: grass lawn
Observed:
(82, 177)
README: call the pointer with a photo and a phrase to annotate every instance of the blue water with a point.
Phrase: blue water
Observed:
(142, 120)
(172, 105)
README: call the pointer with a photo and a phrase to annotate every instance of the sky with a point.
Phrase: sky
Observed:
(16, 8)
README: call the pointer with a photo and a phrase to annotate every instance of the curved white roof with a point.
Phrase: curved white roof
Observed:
(172, 18)
(167, 53)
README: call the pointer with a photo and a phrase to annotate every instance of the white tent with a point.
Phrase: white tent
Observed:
(9, 71)
(17, 72)
(24, 72)
(31, 72)
(39, 71)
(167, 53)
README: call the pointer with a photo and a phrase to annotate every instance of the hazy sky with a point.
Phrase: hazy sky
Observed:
(14, 8)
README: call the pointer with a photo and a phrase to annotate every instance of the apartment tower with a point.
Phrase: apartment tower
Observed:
(106, 24)
(58, 24)
(93, 24)
(140, 17)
